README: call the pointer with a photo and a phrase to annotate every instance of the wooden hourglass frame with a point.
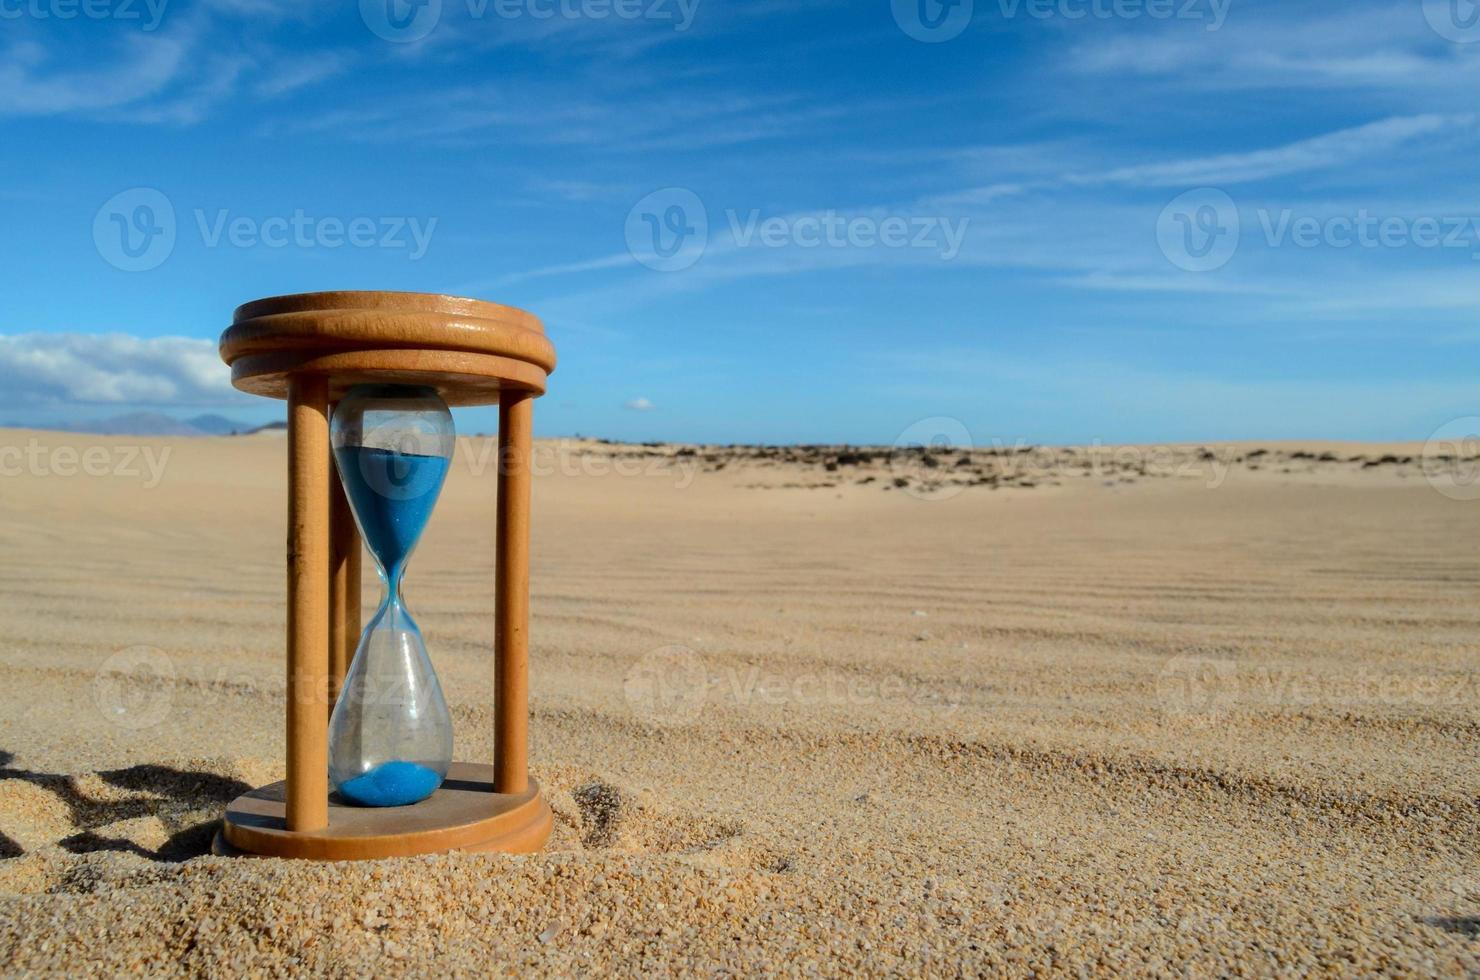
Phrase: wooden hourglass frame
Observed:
(310, 349)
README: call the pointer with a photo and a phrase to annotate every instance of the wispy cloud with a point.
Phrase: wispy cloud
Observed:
(33, 82)
(1386, 48)
(293, 73)
(1322, 152)
(626, 118)
(176, 73)
(1316, 153)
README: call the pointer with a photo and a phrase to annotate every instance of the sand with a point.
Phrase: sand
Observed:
(1205, 710)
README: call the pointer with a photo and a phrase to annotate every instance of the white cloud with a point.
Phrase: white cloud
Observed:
(176, 71)
(147, 65)
(1319, 152)
(640, 405)
(293, 73)
(60, 369)
(1326, 151)
(1384, 48)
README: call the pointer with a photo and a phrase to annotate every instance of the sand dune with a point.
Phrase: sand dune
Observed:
(1208, 708)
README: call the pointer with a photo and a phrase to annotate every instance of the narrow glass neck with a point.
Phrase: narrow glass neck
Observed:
(391, 579)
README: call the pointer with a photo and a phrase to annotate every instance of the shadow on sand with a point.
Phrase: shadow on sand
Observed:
(172, 795)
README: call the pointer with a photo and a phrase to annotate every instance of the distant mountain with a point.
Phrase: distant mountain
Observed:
(153, 424)
(218, 425)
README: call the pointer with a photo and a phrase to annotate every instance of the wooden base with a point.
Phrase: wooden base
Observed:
(465, 814)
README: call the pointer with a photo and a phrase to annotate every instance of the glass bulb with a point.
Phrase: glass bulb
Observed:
(390, 736)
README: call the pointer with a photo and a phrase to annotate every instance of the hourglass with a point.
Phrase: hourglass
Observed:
(390, 736)
(377, 778)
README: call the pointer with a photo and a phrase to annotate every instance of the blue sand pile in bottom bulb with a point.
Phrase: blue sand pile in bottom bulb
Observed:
(391, 784)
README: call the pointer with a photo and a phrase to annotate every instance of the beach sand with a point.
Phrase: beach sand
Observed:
(1203, 709)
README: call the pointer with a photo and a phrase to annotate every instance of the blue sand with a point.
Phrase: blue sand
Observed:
(393, 495)
(391, 784)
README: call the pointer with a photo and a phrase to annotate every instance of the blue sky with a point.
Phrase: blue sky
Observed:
(1049, 220)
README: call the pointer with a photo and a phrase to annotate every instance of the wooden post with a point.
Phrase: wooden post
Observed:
(344, 586)
(511, 607)
(308, 604)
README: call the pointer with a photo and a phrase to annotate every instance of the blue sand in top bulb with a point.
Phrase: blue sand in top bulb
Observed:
(393, 494)
(391, 784)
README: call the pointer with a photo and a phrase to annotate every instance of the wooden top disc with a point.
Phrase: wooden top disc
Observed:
(468, 349)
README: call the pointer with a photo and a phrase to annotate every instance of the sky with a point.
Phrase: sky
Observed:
(1044, 221)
